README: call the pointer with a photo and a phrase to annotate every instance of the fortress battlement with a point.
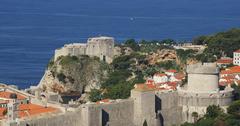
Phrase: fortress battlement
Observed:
(205, 68)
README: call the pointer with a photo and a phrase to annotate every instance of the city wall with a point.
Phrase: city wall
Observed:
(167, 108)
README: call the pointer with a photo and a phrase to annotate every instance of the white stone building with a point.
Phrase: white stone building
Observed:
(236, 57)
(102, 47)
(160, 78)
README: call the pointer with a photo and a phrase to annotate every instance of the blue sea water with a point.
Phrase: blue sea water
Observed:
(30, 30)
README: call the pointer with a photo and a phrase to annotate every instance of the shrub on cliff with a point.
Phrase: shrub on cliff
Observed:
(132, 44)
(61, 77)
(68, 60)
(116, 77)
(234, 109)
(221, 43)
(95, 95)
(119, 91)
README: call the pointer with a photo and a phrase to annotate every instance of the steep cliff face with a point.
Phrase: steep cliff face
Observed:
(71, 73)
(162, 55)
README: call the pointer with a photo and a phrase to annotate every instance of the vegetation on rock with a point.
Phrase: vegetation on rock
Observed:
(79, 73)
(220, 44)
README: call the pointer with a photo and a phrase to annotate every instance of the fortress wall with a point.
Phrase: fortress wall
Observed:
(60, 52)
(66, 119)
(72, 51)
(167, 103)
(102, 47)
(115, 114)
(144, 107)
(205, 99)
(195, 102)
(202, 82)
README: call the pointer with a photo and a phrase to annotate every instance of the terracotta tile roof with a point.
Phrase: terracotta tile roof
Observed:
(237, 51)
(152, 86)
(26, 110)
(171, 71)
(145, 87)
(2, 112)
(5, 94)
(33, 109)
(229, 77)
(226, 72)
(180, 76)
(160, 74)
(225, 61)
(231, 70)
(150, 81)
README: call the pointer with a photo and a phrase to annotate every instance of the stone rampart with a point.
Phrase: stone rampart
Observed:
(167, 108)
(66, 119)
(118, 113)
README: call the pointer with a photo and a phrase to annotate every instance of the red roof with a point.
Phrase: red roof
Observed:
(231, 70)
(160, 74)
(5, 94)
(171, 71)
(180, 76)
(152, 86)
(229, 77)
(225, 61)
(237, 51)
(150, 81)
(143, 86)
(26, 110)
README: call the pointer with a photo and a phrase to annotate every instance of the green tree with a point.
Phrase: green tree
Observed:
(61, 77)
(132, 44)
(236, 91)
(168, 41)
(119, 91)
(234, 109)
(222, 43)
(95, 95)
(213, 111)
(201, 40)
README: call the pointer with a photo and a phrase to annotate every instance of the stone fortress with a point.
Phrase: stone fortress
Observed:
(155, 107)
(202, 90)
(102, 47)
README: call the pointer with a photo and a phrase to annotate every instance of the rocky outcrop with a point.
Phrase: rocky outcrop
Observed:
(80, 74)
(161, 56)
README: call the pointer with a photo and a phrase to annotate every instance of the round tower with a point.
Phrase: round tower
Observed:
(203, 77)
(201, 91)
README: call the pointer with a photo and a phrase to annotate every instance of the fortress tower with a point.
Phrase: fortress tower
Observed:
(202, 77)
(102, 47)
(202, 90)
(144, 107)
